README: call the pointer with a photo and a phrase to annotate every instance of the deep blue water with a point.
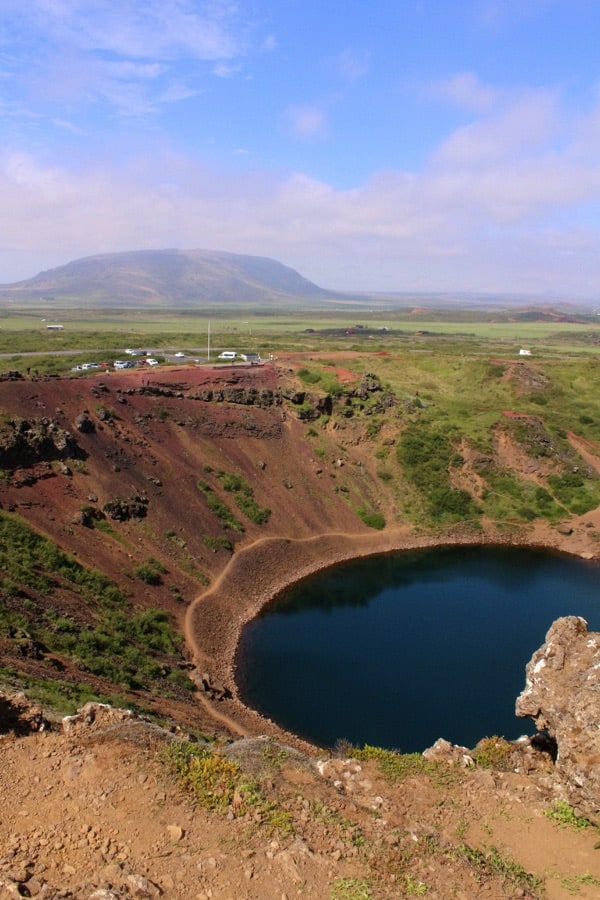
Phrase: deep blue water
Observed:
(399, 650)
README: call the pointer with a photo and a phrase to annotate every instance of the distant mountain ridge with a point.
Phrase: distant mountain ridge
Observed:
(188, 279)
(177, 278)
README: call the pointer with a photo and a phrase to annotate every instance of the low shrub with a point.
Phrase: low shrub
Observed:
(372, 519)
(147, 573)
(217, 543)
(493, 753)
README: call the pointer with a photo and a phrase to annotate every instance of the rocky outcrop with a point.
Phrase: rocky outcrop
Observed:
(120, 510)
(24, 442)
(241, 396)
(562, 696)
(84, 424)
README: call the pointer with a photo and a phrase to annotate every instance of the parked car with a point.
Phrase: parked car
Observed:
(227, 354)
(152, 362)
(180, 355)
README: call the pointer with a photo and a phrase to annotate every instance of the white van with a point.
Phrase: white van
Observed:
(227, 354)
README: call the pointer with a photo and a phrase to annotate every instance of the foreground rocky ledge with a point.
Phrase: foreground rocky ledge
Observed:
(90, 812)
(562, 696)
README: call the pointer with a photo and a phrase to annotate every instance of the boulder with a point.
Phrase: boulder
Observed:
(562, 696)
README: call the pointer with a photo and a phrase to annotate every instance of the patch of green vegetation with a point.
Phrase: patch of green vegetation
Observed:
(106, 413)
(77, 465)
(150, 572)
(572, 883)
(274, 754)
(493, 753)
(244, 497)
(219, 508)
(258, 514)
(220, 542)
(427, 456)
(373, 428)
(231, 482)
(30, 558)
(210, 777)
(309, 376)
(188, 565)
(350, 889)
(331, 385)
(414, 887)
(62, 697)
(132, 648)
(510, 497)
(214, 781)
(175, 538)
(105, 527)
(304, 411)
(372, 519)
(492, 861)
(327, 381)
(398, 766)
(121, 646)
(578, 494)
(564, 815)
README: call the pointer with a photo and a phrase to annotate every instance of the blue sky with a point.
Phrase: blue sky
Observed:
(404, 145)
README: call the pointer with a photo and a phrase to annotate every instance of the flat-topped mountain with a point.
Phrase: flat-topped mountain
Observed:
(178, 278)
(188, 279)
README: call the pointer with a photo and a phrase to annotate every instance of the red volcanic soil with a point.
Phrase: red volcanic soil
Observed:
(153, 437)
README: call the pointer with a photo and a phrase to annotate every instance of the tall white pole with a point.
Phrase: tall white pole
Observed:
(208, 348)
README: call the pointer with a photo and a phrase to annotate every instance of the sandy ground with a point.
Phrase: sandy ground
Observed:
(93, 813)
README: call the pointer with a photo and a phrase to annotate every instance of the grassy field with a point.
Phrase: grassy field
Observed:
(108, 334)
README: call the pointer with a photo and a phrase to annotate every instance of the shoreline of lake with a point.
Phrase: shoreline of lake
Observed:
(262, 570)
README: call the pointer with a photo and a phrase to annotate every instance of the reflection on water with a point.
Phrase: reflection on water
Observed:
(399, 650)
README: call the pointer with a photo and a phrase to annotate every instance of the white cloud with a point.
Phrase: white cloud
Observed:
(305, 122)
(128, 55)
(438, 229)
(496, 14)
(154, 28)
(510, 202)
(523, 123)
(353, 64)
(464, 89)
(225, 70)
